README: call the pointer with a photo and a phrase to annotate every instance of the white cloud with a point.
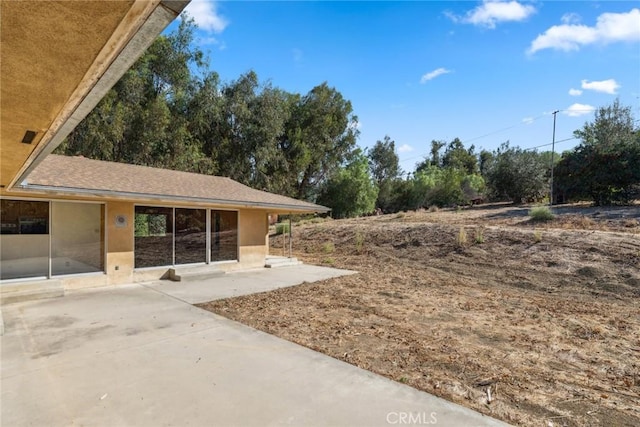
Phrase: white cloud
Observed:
(571, 18)
(577, 110)
(575, 92)
(212, 41)
(433, 74)
(528, 120)
(492, 12)
(605, 86)
(205, 15)
(609, 28)
(405, 148)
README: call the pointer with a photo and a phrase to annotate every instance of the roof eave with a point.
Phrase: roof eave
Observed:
(141, 197)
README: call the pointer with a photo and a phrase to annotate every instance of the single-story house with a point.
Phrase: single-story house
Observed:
(84, 222)
(90, 222)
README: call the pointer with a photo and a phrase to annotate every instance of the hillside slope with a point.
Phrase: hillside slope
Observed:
(546, 322)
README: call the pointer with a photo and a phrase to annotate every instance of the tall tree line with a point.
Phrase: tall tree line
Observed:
(603, 168)
(169, 110)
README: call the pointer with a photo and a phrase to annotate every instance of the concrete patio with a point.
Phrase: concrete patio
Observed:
(246, 282)
(141, 355)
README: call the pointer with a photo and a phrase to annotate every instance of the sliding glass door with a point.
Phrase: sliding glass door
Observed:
(153, 241)
(77, 238)
(176, 236)
(224, 236)
(44, 239)
(191, 236)
(24, 239)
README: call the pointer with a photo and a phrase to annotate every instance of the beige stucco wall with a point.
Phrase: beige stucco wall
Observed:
(119, 265)
(253, 228)
(253, 243)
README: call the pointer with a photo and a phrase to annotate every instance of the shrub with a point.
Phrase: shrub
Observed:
(359, 241)
(541, 213)
(328, 247)
(282, 228)
(329, 261)
(479, 235)
(537, 236)
(461, 238)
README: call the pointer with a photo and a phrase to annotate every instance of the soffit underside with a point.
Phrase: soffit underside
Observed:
(47, 50)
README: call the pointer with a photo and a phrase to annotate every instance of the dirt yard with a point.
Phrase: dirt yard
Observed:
(537, 325)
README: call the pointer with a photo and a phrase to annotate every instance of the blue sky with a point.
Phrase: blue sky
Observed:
(482, 71)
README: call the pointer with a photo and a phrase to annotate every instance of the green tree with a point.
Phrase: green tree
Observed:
(319, 136)
(456, 156)
(434, 159)
(233, 145)
(517, 175)
(169, 110)
(271, 111)
(436, 146)
(605, 166)
(351, 190)
(205, 112)
(240, 126)
(485, 159)
(611, 129)
(385, 169)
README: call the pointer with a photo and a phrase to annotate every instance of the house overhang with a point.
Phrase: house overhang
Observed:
(54, 191)
(58, 59)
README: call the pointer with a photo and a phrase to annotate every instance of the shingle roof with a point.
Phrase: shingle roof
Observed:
(82, 175)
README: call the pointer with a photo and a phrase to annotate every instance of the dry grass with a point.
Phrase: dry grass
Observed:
(552, 325)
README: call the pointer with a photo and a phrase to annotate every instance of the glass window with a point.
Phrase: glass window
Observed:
(77, 238)
(24, 217)
(224, 236)
(191, 236)
(153, 243)
(24, 239)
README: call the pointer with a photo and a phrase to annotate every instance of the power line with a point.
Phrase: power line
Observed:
(523, 122)
(551, 143)
(528, 121)
(524, 149)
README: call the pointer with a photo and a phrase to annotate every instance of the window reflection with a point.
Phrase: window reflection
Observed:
(24, 239)
(77, 238)
(191, 236)
(157, 246)
(224, 236)
(153, 243)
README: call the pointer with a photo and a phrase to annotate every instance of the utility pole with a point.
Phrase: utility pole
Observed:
(553, 150)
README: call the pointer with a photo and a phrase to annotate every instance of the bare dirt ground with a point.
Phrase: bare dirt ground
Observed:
(532, 324)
